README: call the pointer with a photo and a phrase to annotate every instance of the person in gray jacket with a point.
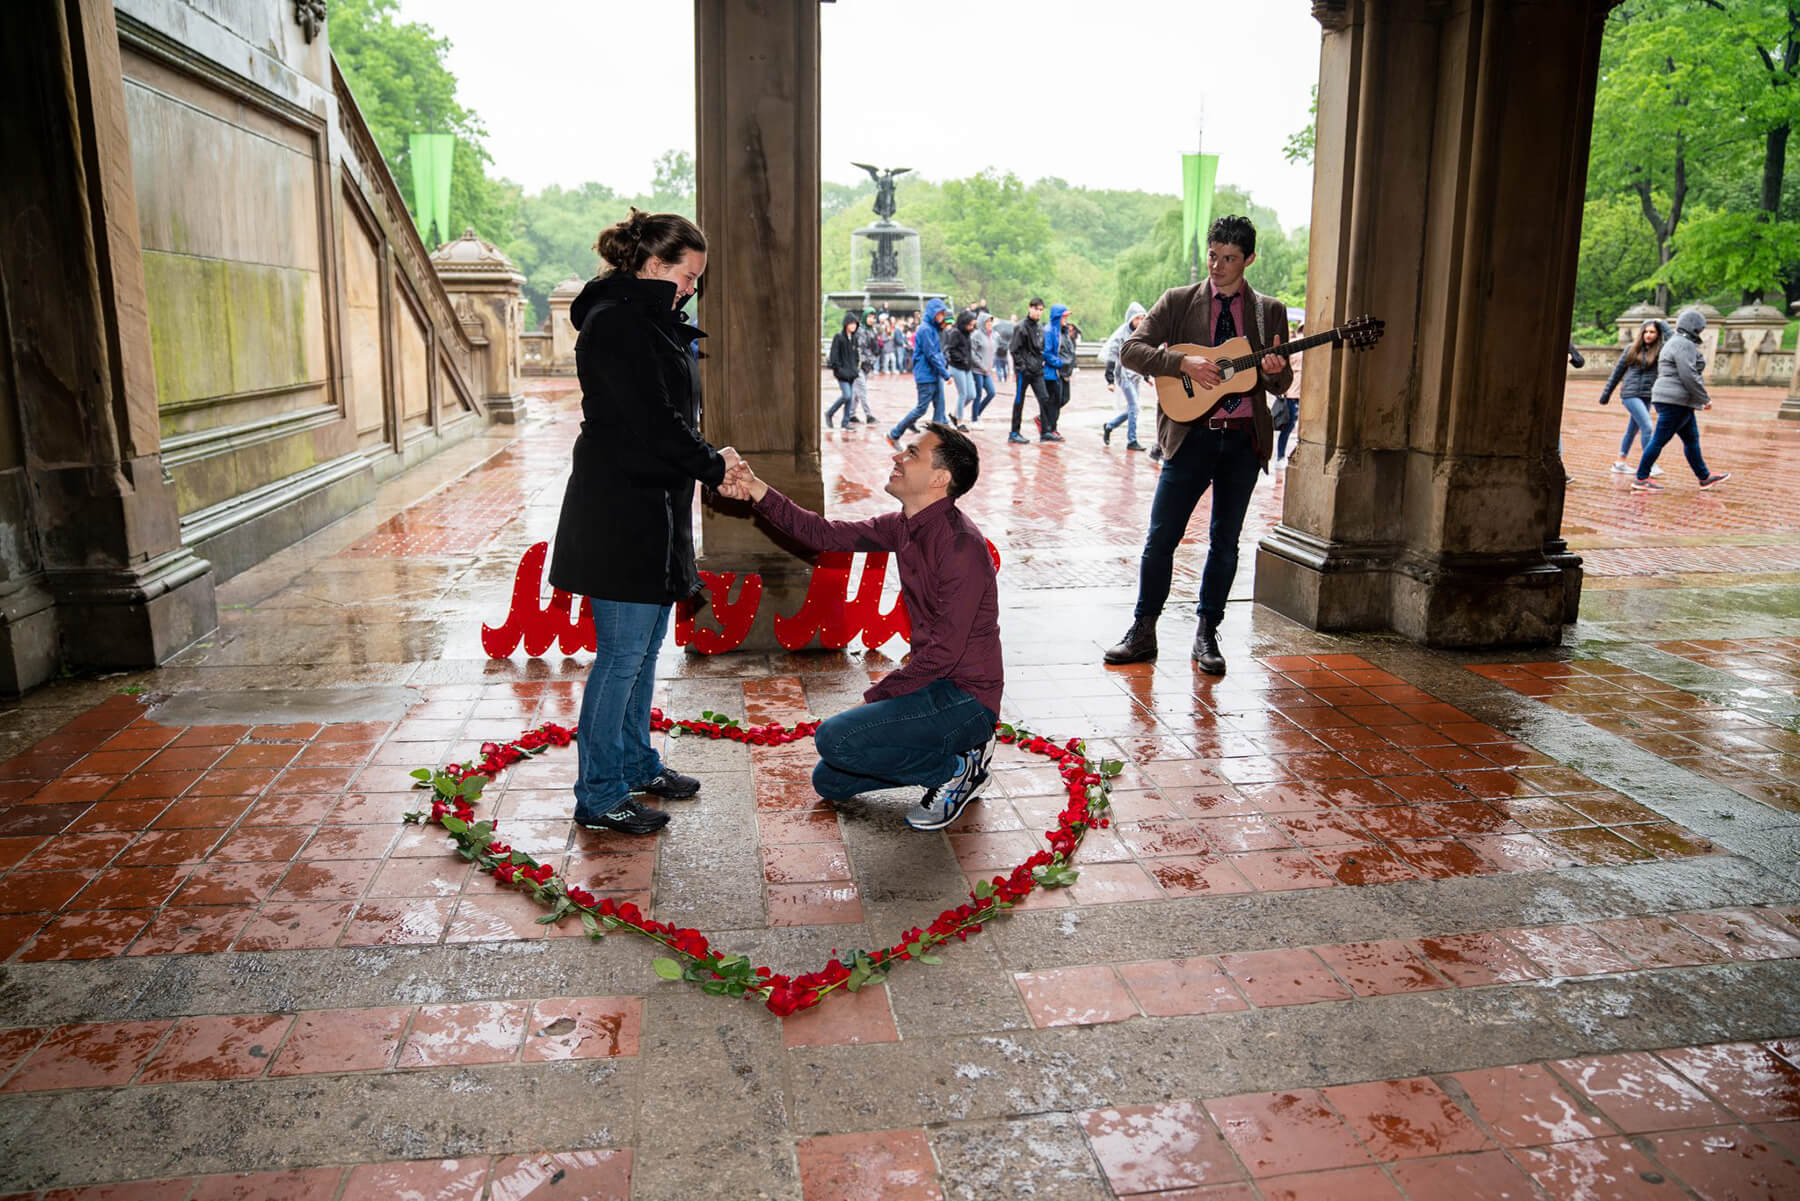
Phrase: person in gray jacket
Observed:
(1634, 375)
(1122, 378)
(982, 348)
(1678, 396)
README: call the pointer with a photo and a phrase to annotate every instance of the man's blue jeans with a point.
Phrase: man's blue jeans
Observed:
(911, 739)
(1224, 460)
(612, 743)
(1674, 421)
(1128, 386)
(846, 400)
(931, 396)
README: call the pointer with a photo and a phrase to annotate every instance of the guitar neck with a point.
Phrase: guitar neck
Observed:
(1286, 349)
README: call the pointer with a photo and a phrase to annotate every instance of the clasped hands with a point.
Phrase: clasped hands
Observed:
(1206, 373)
(740, 483)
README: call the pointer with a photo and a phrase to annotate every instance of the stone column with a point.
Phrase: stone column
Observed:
(1790, 408)
(1632, 320)
(93, 519)
(757, 79)
(483, 283)
(1451, 151)
(562, 334)
(1755, 331)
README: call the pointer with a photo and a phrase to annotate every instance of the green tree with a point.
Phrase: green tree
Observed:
(1299, 147)
(397, 74)
(992, 235)
(1616, 256)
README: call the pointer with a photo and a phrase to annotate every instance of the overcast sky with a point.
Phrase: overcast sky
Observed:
(945, 88)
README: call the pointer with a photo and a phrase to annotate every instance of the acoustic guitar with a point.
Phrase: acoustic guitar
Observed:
(1184, 400)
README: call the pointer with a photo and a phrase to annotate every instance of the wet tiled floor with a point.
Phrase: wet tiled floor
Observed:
(1370, 921)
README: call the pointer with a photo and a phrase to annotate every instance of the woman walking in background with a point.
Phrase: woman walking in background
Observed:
(1678, 396)
(1634, 375)
(625, 539)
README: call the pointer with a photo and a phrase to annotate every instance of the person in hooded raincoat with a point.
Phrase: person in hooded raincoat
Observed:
(930, 369)
(1123, 378)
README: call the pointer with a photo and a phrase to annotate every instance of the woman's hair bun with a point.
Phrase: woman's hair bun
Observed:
(626, 246)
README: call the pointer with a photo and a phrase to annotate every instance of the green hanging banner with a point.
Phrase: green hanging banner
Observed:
(1199, 172)
(430, 153)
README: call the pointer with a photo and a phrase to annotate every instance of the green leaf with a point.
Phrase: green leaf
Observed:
(548, 919)
(423, 773)
(713, 988)
(1111, 767)
(984, 889)
(591, 924)
(668, 969)
(1006, 730)
(928, 957)
(472, 786)
(455, 825)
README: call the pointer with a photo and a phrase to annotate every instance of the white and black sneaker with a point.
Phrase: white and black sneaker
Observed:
(942, 805)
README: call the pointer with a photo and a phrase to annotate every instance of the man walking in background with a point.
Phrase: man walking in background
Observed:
(1028, 364)
(1122, 378)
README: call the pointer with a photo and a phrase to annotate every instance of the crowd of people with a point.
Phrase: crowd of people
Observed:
(975, 352)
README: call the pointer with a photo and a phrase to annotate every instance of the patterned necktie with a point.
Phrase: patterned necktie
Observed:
(1225, 329)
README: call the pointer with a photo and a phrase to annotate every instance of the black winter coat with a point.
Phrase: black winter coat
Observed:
(957, 351)
(1028, 347)
(842, 360)
(627, 527)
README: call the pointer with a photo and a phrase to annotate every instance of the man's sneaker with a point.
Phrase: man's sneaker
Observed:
(1017, 438)
(942, 805)
(1647, 486)
(892, 441)
(1052, 436)
(627, 817)
(1134, 446)
(1716, 478)
(670, 785)
(1106, 434)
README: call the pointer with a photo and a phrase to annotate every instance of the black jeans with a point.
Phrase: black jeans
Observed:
(1035, 381)
(1059, 396)
(1224, 460)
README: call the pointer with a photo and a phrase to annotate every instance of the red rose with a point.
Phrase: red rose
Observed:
(582, 897)
(505, 872)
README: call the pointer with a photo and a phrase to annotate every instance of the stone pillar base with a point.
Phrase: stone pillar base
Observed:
(136, 617)
(1790, 409)
(506, 410)
(29, 651)
(785, 582)
(1444, 601)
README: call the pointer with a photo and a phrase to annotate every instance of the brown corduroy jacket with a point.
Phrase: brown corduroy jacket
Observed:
(1186, 315)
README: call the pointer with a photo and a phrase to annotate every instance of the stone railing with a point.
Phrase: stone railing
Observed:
(534, 354)
(1727, 367)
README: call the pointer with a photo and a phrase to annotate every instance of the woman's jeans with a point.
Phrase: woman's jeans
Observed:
(911, 739)
(1128, 385)
(1000, 366)
(931, 396)
(1674, 421)
(846, 400)
(612, 743)
(984, 395)
(965, 388)
(1641, 424)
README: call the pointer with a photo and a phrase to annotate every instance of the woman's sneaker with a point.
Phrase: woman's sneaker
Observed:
(1716, 478)
(1648, 486)
(626, 817)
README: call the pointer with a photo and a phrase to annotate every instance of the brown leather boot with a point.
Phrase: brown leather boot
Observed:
(1138, 644)
(1206, 649)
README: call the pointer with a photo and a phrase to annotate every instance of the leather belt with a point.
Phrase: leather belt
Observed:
(1230, 423)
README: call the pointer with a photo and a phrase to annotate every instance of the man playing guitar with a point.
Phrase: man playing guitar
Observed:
(1222, 448)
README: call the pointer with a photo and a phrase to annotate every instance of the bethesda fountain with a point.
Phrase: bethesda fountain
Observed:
(884, 258)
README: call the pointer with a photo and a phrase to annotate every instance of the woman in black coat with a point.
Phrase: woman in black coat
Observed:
(625, 538)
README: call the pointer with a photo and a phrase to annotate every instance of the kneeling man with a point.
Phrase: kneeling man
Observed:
(931, 722)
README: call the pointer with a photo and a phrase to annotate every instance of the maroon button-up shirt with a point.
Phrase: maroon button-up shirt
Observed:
(947, 578)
